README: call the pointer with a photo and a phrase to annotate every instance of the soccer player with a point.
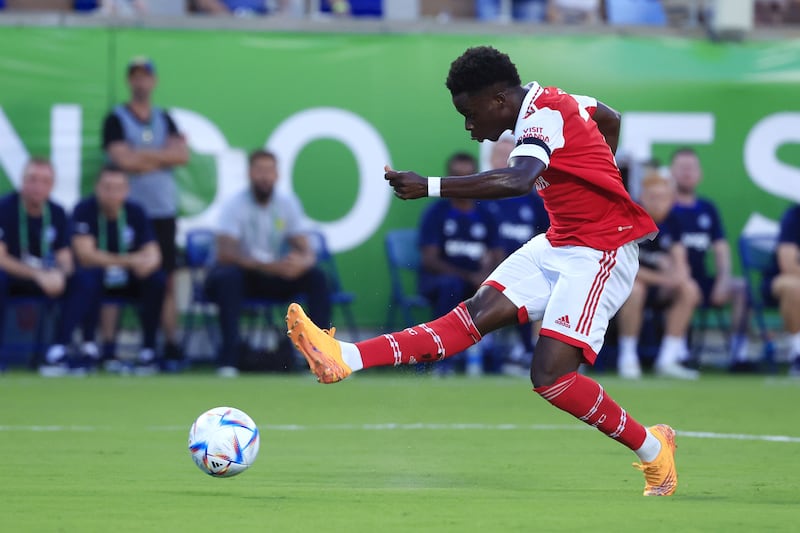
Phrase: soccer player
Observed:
(573, 278)
(701, 232)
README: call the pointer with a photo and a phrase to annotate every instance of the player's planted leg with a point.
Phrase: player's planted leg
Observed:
(555, 377)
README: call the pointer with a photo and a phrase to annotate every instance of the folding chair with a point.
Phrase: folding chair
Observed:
(199, 255)
(700, 326)
(339, 297)
(402, 253)
(757, 255)
(199, 258)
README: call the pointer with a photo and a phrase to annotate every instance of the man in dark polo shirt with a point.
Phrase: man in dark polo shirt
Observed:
(142, 140)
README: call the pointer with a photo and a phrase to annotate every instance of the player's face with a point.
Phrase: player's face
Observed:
(657, 200)
(37, 184)
(111, 191)
(485, 114)
(263, 175)
(686, 172)
(141, 83)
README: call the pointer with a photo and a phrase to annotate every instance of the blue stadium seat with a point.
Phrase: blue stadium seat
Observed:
(339, 297)
(757, 255)
(402, 253)
(635, 13)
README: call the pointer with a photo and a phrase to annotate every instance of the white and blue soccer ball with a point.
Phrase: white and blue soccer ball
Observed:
(224, 442)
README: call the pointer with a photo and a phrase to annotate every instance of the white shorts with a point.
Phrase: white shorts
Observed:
(573, 290)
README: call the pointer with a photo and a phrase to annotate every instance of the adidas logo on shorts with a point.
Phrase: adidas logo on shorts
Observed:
(563, 321)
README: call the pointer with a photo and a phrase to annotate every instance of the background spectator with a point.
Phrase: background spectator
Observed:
(664, 281)
(459, 247)
(263, 252)
(701, 231)
(784, 283)
(142, 140)
(34, 249)
(117, 255)
(518, 219)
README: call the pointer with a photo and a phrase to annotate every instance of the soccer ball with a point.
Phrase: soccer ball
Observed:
(223, 442)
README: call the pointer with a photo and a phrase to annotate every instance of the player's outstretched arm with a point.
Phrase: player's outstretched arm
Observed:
(608, 122)
(516, 180)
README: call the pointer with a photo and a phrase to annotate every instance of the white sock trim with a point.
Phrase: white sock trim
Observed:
(351, 356)
(650, 448)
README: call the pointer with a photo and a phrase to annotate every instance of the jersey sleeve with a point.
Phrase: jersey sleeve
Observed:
(172, 129)
(81, 220)
(790, 227)
(541, 134)
(717, 231)
(112, 130)
(588, 103)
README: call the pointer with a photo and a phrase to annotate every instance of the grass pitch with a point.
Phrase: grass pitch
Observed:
(391, 451)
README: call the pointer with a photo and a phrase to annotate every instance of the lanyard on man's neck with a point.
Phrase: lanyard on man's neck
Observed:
(102, 231)
(44, 243)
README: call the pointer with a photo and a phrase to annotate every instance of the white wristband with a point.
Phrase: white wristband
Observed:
(434, 186)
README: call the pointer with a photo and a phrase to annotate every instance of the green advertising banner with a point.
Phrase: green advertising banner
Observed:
(337, 107)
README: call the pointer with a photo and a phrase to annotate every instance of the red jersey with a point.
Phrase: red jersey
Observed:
(581, 187)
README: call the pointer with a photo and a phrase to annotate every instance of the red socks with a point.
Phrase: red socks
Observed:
(585, 399)
(431, 341)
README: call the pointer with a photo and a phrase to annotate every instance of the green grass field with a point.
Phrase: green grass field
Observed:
(390, 451)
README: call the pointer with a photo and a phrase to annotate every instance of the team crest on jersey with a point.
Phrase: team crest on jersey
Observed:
(450, 227)
(541, 183)
(704, 221)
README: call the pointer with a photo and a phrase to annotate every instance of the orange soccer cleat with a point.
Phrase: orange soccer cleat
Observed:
(660, 475)
(321, 350)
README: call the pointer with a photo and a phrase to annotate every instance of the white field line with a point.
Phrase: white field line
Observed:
(412, 427)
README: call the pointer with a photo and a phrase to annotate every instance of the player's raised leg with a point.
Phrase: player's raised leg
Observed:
(332, 360)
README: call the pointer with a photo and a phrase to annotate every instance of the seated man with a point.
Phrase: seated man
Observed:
(784, 285)
(263, 252)
(459, 248)
(519, 220)
(34, 251)
(663, 281)
(117, 256)
(701, 231)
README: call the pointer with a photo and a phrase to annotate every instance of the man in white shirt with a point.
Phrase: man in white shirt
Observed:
(263, 252)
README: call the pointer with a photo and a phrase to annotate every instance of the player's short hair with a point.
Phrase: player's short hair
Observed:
(461, 157)
(683, 150)
(478, 68)
(259, 153)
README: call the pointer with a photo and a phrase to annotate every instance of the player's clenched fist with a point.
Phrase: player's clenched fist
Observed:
(406, 185)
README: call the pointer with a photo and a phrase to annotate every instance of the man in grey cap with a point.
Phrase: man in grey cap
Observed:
(142, 140)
